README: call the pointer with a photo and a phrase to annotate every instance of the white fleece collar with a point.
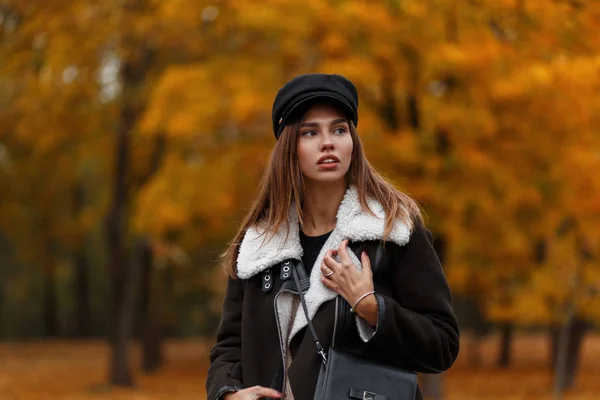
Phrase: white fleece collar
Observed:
(353, 223)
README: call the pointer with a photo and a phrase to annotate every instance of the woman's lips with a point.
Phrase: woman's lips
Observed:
(328, 157)
(328, 166)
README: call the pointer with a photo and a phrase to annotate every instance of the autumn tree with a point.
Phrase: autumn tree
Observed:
(485, 112)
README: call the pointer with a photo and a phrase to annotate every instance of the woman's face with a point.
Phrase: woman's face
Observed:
(324, 144)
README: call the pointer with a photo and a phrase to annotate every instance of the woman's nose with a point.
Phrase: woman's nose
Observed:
(327, 145)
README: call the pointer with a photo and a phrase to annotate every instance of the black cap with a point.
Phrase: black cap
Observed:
(304, 90)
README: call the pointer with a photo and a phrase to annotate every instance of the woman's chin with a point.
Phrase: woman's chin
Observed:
(329, 177)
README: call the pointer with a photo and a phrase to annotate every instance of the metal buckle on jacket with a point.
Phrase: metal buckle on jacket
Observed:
(369, 395)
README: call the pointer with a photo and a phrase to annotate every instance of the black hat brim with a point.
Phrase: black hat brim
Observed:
(303, 102)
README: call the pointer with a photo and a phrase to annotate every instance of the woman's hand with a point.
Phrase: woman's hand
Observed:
(349, 282)
(253, 393)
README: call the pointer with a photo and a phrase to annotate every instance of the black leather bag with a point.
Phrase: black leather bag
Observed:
(345, 376)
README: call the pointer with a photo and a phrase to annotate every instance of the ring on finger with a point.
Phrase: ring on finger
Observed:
(329, 273)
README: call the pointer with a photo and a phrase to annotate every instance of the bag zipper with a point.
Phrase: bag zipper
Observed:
(282, 346)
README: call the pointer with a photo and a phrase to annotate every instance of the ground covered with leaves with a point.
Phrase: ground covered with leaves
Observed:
(77, 370)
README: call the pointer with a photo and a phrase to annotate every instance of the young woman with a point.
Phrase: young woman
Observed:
(377, 288)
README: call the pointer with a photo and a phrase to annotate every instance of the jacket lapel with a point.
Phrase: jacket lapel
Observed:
(353, 223)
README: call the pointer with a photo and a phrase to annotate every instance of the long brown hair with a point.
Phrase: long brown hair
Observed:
(282, 182)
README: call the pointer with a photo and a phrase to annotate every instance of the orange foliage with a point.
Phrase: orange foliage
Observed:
(487, 112)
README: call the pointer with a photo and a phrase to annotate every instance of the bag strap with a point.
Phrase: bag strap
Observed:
(301, 287)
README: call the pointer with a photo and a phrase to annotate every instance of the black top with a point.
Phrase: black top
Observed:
(311, 245)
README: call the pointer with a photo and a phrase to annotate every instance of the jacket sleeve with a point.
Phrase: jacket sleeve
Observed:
(417, 326)
(225, 371)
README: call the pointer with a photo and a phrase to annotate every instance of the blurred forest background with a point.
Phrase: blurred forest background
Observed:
(133, 134)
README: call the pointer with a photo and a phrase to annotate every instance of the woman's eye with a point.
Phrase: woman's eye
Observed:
(340, 131)
(309, 133)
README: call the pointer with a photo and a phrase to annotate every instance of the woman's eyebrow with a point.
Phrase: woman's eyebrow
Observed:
(338, 121)
(315, 124)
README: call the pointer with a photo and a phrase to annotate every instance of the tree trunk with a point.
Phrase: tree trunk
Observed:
(120, 373)
(506, 336)
(82, 294)
(150, 322)
(124, 275)
(576, 338)
(151, 333)
(561, 360)
(125, 323)
(82, 285)
(49, 301)
(567, 343)
(554, 335)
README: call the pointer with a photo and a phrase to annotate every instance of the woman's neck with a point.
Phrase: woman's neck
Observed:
(320, 205)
